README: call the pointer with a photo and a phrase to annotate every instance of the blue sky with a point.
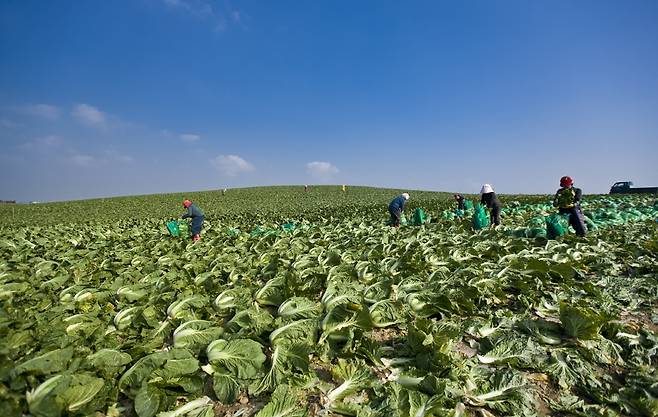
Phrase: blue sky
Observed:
(103, 98)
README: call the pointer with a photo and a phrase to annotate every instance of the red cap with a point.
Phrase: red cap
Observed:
(566, 182)
(187, 203)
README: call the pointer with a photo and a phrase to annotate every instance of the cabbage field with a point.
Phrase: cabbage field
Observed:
(307, 304)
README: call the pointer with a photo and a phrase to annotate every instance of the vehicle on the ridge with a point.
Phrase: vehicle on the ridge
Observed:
(626, 187)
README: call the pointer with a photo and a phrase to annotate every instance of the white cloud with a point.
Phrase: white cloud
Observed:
(217, 15)
(323, 171)
(175, 3)
(51, 140)
(113, 156)
(83, 160)
(189, 137)
(46, 143)
(199, 8)
(45, 111)
(89, 115)
(231, 165)
(106, 158)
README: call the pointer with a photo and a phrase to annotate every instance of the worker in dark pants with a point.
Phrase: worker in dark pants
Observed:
(196, 215)
(490, 200)
(396, 208)
(567, 200)
(460, 202)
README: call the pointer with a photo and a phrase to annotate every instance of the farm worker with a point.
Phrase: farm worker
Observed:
(567, 200)
(344, 188)
(224, 191)
(396, 208)
(196, 215)
(460, 201)
(490, 200)
(306, 188)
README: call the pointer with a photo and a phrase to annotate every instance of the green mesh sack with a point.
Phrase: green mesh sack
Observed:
(537, 221)
(258, 231)
(459, 212)
(468, 205)
(556, 226)
(178, 228)
(173, 229)
(536, 232)
(419, 217)
(480, 218)
(262, 232)
(232, 231)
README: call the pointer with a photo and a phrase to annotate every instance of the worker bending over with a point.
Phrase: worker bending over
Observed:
(490, 200)
(193, 212)
(396, 208)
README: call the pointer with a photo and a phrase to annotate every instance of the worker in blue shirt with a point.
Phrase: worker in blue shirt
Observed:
(193, 212)
(396, 208)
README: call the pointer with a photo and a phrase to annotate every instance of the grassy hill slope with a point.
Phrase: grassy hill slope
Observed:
(258, 204)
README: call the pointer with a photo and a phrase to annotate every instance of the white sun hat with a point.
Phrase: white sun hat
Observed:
(406, 196)
(486, 188)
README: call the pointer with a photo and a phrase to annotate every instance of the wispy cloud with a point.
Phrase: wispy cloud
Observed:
(54, 148)
(323, 171)
(113, 156)
(44, 111)
(89, 115)
(105, 158)
(231, 165)
(82, 160)
(50, 140)
(198, 8)
(42, 144)
(218, 15)
(189, 137)
(175, 3)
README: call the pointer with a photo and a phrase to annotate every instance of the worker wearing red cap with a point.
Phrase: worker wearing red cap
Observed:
(567, 200)
(194, 213)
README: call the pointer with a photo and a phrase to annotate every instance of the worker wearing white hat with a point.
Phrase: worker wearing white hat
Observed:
(490, 200)
(396, 208)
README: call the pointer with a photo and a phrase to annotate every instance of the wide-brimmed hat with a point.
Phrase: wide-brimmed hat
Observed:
(486, 188)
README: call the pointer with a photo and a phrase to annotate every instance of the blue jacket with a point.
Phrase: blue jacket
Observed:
(192, 211)
(398, 203)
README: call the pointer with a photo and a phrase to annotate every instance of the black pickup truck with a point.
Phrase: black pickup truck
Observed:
(625, 187)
